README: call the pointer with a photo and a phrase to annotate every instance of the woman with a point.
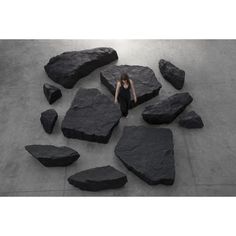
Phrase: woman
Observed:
(123, 93)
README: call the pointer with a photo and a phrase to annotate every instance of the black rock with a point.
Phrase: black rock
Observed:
(92, 117)
(167, 110)
(99, 178)
(67, 68)
(51, 92)
(148, 152)
(172, 74)
(51, 156)
(145, 81)
(191, 120)
(48, 119)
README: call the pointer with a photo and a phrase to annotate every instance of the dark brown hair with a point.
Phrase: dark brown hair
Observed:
(124, 77)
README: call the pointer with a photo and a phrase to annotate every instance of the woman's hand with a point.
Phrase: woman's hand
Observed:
(115, 101)
(135, 99)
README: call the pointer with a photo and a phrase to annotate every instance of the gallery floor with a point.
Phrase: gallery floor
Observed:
(205, 159)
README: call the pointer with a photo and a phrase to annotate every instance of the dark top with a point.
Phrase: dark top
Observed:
(124, 92)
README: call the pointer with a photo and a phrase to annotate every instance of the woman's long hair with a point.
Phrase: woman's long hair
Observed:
(124, 77)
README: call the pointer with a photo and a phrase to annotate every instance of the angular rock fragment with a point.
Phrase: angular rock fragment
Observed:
(191, 120)
(92, 117)
(99, 178)
(172, 74)
(51, 92)
(52, 156)
(67, 68)
(167, 110)
(145, 81)
(148, 153)
(48, 119)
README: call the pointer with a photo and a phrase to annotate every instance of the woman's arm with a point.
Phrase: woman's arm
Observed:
(133, 91)
(117, 90)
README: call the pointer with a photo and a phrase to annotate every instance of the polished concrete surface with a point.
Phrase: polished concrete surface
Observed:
(205, 159)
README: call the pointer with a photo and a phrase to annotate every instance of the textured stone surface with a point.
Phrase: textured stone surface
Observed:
(68, 67)
(51, 156)
(48, 119)
(99, 178)
(92, 116)
(51, 92)
(172, 74)
(167, 110)
(191, 120)
(149, 153)
(145, 81)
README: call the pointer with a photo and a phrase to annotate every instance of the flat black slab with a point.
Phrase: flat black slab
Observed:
(100, 178)
(167, 110)
(52, 156)
(172, 74)
(145, 81)
(48, 119)
(92, 116)
(191, 120)
(149, 153)
(67, 68)
(51, 92)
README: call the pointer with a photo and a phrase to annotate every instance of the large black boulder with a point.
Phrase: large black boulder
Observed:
(148, 153)
(167, 110)
(51, 156)
(145, 81)
(51, 92)
(191, 120)
(48, 119)
(68, 67)
(172, 74)
(92, 117)
(100, 178)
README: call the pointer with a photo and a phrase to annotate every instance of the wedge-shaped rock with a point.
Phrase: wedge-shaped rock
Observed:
(145, 81)
(148, 153)
(172, 74)
(92, 117)
(167, 110)
(67, 68)
(51, 92)
(191, 120)
(99, 178)
(48, 119)
(51, 156)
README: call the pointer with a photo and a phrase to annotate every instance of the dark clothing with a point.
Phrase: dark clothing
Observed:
(124, 99)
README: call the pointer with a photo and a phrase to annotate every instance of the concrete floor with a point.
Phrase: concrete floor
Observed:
(205, 158)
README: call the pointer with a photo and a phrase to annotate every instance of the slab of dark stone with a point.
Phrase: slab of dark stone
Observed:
(172, 74)
(100, 178)
(48, 119)
(51, 92)
(149, 153)
(167, 110)
(67, 68)
(145, 81)
(92, 117)
(191, 120)
(52, 156)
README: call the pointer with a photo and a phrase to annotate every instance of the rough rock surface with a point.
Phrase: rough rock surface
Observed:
(68, 67)
(148, 152)
(51, 92)
(51, 156)
(48, 119)
(191, 120)
(92, 117)
(172, 74)
(145, 81)
(167, 110)
(99, 178)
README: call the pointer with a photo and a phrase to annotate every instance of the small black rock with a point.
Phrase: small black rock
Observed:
(99, 178)
(51, 92)
(52, 156)
(172, 74)
(191, 120)
(48, 119)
